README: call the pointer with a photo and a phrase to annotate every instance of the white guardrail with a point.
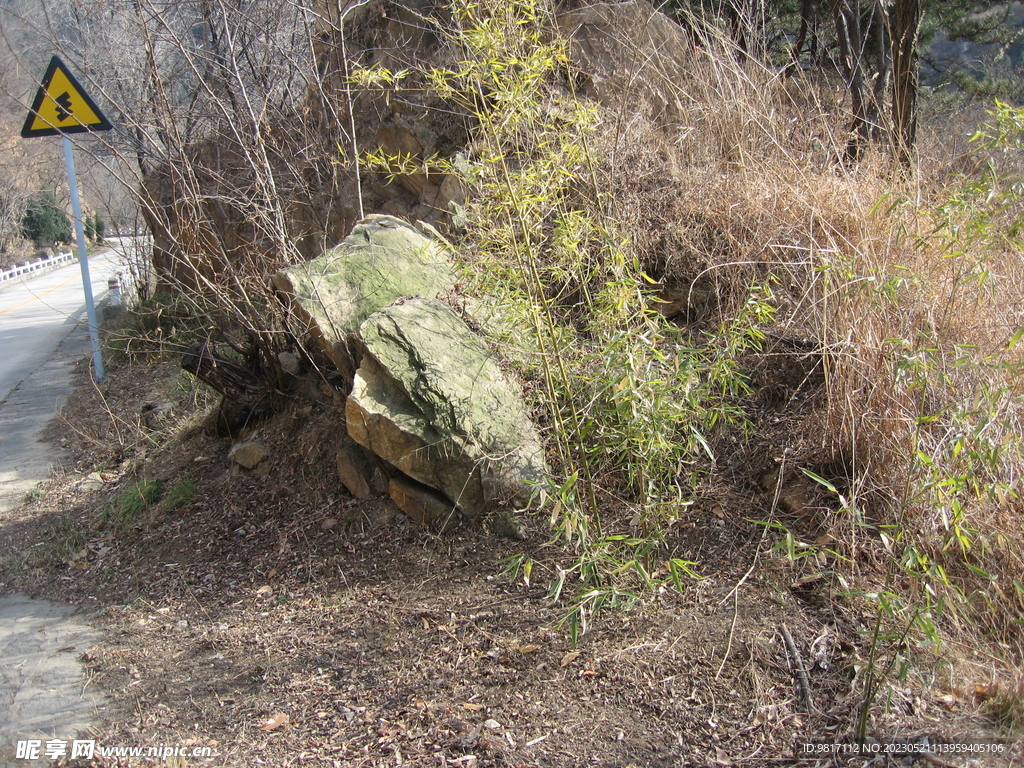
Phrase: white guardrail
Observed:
(35, 266)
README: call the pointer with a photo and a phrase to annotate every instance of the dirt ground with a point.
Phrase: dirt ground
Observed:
(273, 618)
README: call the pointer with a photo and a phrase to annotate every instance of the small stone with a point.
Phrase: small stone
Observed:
(452, 190)
(93, 482)
(503, 524)
(356, 471)
(289, 363)
(248, 454)
(492, 725)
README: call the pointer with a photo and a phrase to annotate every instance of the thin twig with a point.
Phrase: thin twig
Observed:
(350, 101)
(800, 670)
(732, 627)
(764, 533)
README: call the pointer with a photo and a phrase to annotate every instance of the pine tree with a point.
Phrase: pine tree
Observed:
(45, 221)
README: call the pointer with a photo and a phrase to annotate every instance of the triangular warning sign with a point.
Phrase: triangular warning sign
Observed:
(62, 106)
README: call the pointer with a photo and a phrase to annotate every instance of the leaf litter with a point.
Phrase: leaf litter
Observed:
(304, 627)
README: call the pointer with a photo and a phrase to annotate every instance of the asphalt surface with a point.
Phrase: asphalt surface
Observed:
(44, 692)
(43, 334)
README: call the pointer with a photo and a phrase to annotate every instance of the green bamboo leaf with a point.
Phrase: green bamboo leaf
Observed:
(1015, 339)
(820, 480)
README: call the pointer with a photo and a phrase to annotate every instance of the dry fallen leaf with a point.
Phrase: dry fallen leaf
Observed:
(985, 692)
(527, 648)
(474, 707)
(569, 658)
(276, 721)
(721, 758)
(265, 590)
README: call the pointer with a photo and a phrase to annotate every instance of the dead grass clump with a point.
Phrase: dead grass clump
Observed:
(1007, 703)
(912, 289)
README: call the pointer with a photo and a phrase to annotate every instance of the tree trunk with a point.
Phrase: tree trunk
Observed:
(801, 38)
(231, 379)
(851, 50)
(906, 24)
(883, 52)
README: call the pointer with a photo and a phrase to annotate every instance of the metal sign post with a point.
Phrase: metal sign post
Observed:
(83, 260)
(62, 106)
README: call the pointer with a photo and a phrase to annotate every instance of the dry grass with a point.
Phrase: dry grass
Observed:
(1007, 702)
(921, 410)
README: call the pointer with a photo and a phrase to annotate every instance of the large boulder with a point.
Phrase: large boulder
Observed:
(632, 57)
(383, 260)
(430, 399)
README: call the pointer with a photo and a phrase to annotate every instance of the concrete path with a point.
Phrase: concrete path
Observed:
(44, 693)
(25, 461)
(42, 334)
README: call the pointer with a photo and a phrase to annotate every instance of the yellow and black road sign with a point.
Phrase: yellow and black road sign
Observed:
(62, 106)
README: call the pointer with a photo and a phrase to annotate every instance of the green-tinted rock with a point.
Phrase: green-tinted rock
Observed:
(383, 260)
(430, 399)
(381, 417)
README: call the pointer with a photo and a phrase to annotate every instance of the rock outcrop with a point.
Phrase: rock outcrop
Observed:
(423, 504)
(632, 56)
(437, 423)
(383, 260)
(200, 206)
(431, 400)
(358, 474)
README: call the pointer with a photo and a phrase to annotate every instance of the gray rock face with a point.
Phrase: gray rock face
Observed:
(633, 55)
(430, 399)
(383, 260)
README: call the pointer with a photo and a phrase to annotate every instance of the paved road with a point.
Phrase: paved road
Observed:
(43, 333)
(44, 693)
(43, 689)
